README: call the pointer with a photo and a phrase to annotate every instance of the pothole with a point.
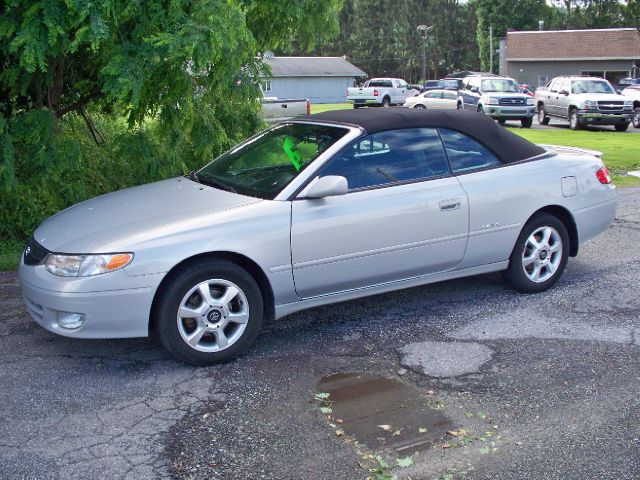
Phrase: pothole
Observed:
(383, 413)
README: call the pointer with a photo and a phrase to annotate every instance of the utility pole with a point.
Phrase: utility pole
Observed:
(490, 48)
(424, 32)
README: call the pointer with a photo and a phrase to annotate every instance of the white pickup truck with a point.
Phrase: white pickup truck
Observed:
(380, 91)
(276, 110)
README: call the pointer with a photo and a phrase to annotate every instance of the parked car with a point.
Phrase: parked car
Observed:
(498, 97)
(318, 210)
(625, 82)
(379, 91)
(633, 92)
(277, 110)
(583, 101)
(444, 83)
(434, 100)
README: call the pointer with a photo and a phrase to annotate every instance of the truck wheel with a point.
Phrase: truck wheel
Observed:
(419, 106)
(460, 107)
(526, 122)
(621, 127)
(356, 106)
(502, 121)
(636, 118)
(480, 109)
(386, 102)
(542, 116)
(574, 121)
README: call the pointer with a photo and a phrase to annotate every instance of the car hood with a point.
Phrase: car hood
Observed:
(505, 95)
(87, 226)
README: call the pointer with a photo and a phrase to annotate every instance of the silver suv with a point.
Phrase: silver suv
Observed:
(583, 101)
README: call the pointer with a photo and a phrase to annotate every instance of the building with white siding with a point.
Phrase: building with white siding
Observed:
(320, 79)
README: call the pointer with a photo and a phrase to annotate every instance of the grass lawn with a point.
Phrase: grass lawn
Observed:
(621, 151)
(325, 107)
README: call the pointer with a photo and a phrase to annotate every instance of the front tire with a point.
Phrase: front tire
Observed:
(419, 106)
(526, 122)
(636, 117)
(539, 256)
(209, 312)
(542, 116)
(621, 127)
(574, 120)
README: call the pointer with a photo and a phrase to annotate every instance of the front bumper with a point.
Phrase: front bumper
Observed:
(599, 118)
(117, 310)
(501, 111)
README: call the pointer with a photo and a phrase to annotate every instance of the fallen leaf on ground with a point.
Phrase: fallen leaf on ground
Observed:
(404, 462)
(386, 428)
(422, 430)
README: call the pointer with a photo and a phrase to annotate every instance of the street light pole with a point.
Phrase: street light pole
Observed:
(424, 32)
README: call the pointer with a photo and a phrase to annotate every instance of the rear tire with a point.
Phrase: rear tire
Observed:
(621, 127)
(480, 109)
(356, 106)
(636, 117)
(526, 122)
(539, 256)
(419, 106)
(208, 312)
(542, 116)
(386, 102)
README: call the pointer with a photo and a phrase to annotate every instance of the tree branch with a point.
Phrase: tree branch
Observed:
(95, 93)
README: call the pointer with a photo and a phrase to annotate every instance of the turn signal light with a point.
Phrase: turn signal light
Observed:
(604, 176)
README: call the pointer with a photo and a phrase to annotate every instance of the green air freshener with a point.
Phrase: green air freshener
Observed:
(292, 152)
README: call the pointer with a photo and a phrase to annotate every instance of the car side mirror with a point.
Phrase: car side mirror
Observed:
(474, 89)
(329, 186)
(619, 92)
(563, 92)
(525, 90)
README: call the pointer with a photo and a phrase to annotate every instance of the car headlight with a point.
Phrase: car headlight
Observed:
(531, 101)
(628, 104)
(590, 105)
(490, 101)
(86, 265)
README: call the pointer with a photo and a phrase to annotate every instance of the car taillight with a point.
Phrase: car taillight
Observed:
(604, 176)
(308, 107)
(375, 93)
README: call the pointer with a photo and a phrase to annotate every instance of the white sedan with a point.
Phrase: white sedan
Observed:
(433, 100)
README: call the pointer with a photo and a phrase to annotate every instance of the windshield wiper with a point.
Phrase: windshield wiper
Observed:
(212, 182)
(193, 176)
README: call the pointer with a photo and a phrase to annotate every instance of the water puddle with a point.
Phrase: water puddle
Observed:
(381, 412)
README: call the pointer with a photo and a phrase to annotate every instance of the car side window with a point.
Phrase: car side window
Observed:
(390, 157)
(554, 85)
(449, 95)
(465, 153)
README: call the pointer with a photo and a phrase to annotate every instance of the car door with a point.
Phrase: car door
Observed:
(472, 94)
(552, 101)
(498, 196)
(562, 104)
(449, 99)
(404, 216)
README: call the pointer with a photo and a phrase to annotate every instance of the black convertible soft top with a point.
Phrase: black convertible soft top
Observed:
(506, 145)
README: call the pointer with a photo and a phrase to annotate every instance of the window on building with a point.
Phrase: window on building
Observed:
(542, 80)
(266, 85)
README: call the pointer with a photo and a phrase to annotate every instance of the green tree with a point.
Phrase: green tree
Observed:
(502, 15)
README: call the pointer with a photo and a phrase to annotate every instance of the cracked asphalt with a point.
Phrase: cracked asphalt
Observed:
(545, 386)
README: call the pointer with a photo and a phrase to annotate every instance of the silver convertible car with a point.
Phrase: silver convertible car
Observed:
(323, 209)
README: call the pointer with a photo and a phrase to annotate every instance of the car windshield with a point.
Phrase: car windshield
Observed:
(500, 85)
(268, 162)
(591, 86)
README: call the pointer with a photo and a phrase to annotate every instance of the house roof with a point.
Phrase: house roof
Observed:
(312, 67)
(601, 44)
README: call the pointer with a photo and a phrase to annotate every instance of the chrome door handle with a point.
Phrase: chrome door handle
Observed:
(451, 204)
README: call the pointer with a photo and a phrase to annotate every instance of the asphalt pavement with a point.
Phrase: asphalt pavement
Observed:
(515, 386)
